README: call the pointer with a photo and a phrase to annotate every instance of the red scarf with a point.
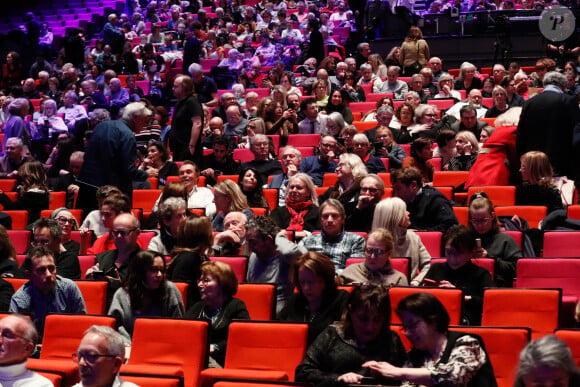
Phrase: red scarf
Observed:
(297, 211)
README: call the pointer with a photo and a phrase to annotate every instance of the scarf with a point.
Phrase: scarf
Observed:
(297, 212)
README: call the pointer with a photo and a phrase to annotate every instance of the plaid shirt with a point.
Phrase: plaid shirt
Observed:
(345, 245)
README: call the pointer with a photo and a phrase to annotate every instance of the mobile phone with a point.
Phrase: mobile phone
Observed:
(478, 243)
(429, 282)
(98, 275)
(378, 146)
(341, 141)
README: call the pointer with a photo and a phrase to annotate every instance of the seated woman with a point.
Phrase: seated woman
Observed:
(172, 212)
(301, 210)
(494, 243)
(460, 272)
(421, 154)
(320, 92)
(336, 103)
(425, 121)
(350, 171)
(145, 292)
(401, 121)
(445, 87)
(194, 240)
(33, 195)
(389, 148)
(337, 355)
(376, 266)
(335, 124)
(355, 92)
(547, 362)
(391, 214)
(94, 221)
(49, 124)
(8, 263)
(538, 187)
(467, 148)
(500, 104)
(445, 149)
(68, 223)
(218, 285)
(227, 198)
(439, 357)
(157, 163)
(468, 80)
(318, 301)
(334, 241)
(250, 182)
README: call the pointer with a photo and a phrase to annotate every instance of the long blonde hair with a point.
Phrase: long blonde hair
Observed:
(389, 214)
(238, 201)
(540, 169)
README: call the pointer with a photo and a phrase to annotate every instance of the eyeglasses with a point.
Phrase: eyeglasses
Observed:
(122, 233)
(376, 252)
(480, 221)
(43, 242)
(369, 189)
(90, 358)
(62, 219)
(431, 115)
(7, 334)
(10, 148)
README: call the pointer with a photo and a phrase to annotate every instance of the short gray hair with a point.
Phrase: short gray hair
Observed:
(169, 206)
(135, 109)
(556, 79)
(293, 149)
(17, 105)
(116, 346)
(195, 68)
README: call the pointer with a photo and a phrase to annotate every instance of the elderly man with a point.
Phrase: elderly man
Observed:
(100, 355)
(498, 74)
(48, 233)
(468, 121)
(43, 77)
(416, 86)
(186, 123)
(119, 96)
(19, 338)
(549, 123)
(372, 189)
(392, 84)
(220, 162)
(291, 159)
(110, 156)
(13, 158)
(215, 131)
(384, 116)
(93, 98)
(271, 256)
(236, 125)
(46, 292)
(333, 241)
(474, 98)
(435, 64)
(317, 166)
(232, 241)
(362, 55)
(259, 145)
(226, 100)
(312, 122)
(205, 87)
(361, 148)
(29, 89)
(428, 209)
(113, 36)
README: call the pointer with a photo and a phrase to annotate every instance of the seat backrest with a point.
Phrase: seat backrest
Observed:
(462, 215)
(432, 241)
(266, 346)
(16, 282)
(304, 140)
(145, 198)
(516, 235)
(329, 179)
(238, 265)
(95, 295)
(161, 342)
(57, 200)
(533, 214)
(503, 346)
(63, 333)
(561, 244)
(86, 262)
(260, 300)
(271, 195)
(449, 178)
(182, 287)
(20, 239)
(572, 338)
(19, 218)
(537, 308)
(549, 273)
(148, 380)
(451, 298)
(500, 195)
(243, 155)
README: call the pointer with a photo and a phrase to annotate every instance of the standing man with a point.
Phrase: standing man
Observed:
(100, 356)
(187, 121)
(110, 156)
(113, 36)
(19, 338)
(549, 123)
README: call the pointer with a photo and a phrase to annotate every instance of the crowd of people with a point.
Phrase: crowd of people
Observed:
(129, 114)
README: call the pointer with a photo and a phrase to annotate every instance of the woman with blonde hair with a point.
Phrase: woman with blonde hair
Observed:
(467, 148)
(391, 214)
(320, 92)
(467, 78)
(538, 187)
(414, 52)
(379, 67)
(228, 197)
(446, 88)
(350, 171)
(392, 58)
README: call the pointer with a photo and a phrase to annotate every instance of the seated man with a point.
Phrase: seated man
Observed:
(220, 162)
(361, 148)
(112, 206)
(46, 292)
(271, 256)
(236, 124)
(47, 232)
(291, 159)
(312, 122)
(100, 355)
(232, 241)
(205, 87)
(119, 96)
(259, 145)
(13, 158)
(372, 189)
(474, 98)
(428, 209)
(19, 337)
(317, 166)
(469, 121)
(333, 241)
(392, 84)
(384, 116)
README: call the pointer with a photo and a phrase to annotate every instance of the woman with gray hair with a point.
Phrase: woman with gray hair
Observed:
(445, 87)
(350, 171)
(15, 126)
(467, 78)
(547, 362)
(49, 124)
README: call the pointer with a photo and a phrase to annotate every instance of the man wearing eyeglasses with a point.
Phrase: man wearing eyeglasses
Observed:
(360, 218)
(48, 233)
(46, 292)
(318, 166)
(19, 339)
(100, 356)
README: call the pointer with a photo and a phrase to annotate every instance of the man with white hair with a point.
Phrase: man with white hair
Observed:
(291, 159)
(110, 156)
(13, 158)
(112, 35)
(119, 96)
(205, 87)
(100, 355)
(262, 163)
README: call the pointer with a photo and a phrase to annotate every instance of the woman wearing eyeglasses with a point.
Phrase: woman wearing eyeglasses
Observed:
(68, 223)
(494, 243)
(145, 293)
(376, 266)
